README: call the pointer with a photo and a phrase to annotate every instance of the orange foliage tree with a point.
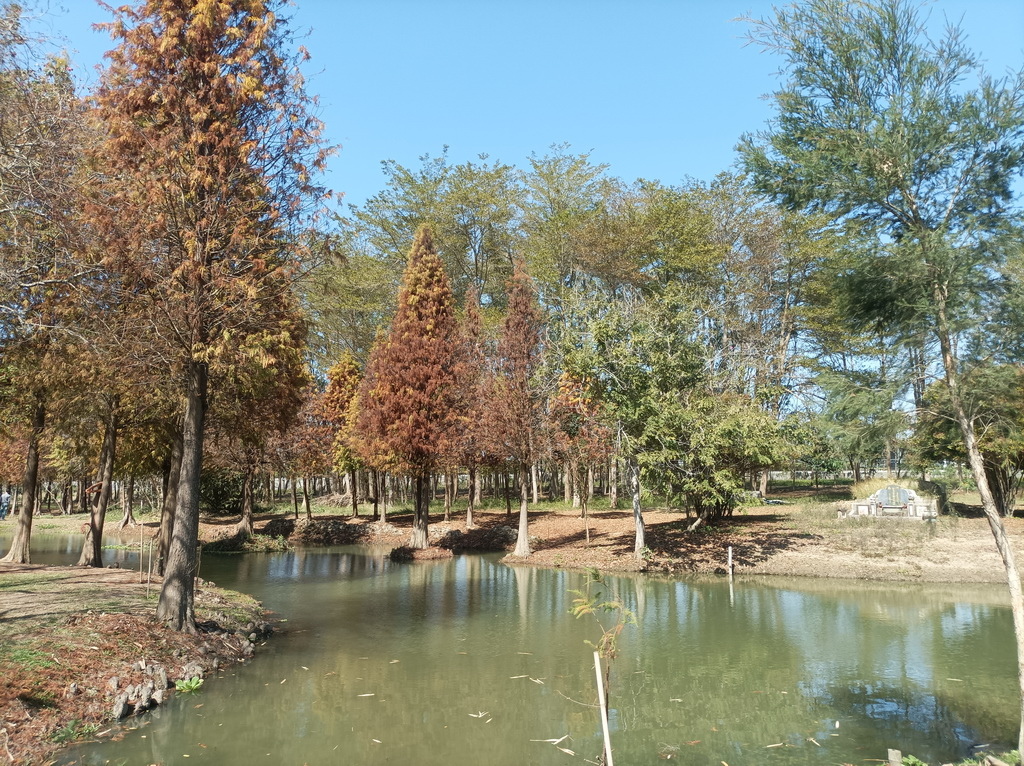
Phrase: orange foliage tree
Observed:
(410, 393)
(516, 409)
(210, 147)
(339, 404)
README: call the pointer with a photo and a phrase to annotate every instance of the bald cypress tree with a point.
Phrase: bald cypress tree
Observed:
(410, 393)
(516, 406)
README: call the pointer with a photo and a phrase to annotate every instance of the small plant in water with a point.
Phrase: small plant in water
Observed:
(189, 685)
(587, 603)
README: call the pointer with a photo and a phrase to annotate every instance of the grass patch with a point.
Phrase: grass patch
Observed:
(73, 730)
(30, 659)
(17, 581)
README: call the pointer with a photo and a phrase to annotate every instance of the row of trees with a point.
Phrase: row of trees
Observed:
(164, 278)
(150, 246)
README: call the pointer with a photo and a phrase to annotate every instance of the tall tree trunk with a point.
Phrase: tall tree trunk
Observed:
(294, 482)
(420, 532)
(447, 496)
(472, 498)
(92, 546)
(376, 494)
(65, 499)
(305, 498)
(19, 552)
(567, 484)
(354, 487)
(613, 482)
(523, 538)
(177, 596)
(535, 482)
(638, 515)
(988, 503)
(585, 515)
(244, 527)
(127, 505)
(389, 496)
(508, 493)
(170, 504)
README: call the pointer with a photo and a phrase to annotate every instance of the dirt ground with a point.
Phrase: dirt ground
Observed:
(65, 632)
(73, 640)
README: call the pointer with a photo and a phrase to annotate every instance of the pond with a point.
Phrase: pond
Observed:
(468, 661)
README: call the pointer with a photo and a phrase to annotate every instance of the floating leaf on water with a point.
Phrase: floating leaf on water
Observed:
(283, 680)
(372, 740)
(566, 750)
(955, 679)
(812, 739)
(303, 667)
(526, 653)
(537, 681)
(675, 699)
(777, 744)
(481, 714)
(393, 662)
(522, 676)
(552, 741)
(366, 695)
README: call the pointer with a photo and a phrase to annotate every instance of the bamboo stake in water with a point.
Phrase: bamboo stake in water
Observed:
(604, 711)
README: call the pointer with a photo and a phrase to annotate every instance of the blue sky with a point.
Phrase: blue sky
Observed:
(657, 89)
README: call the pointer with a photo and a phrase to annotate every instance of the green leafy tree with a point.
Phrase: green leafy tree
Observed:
(43, 132)
(410, 392)
(643, 362)
(997, 393)
(878, 125)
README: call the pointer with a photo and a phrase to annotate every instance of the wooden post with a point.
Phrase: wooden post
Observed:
(604, 711)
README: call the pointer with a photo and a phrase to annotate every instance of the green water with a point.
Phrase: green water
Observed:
(472, 662)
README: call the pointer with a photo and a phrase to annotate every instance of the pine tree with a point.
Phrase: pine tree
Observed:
(410, 394)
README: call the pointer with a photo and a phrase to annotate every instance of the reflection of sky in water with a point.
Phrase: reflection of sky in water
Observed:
(717, 673)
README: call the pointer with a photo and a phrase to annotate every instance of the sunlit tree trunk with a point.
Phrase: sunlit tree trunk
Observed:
(523, 538)
(638, 516)
(244, 527)
(177, 596)
(92, 546)
(19, 552)
(128, 505)
(420, 532)
(472, 497)
(170, 504)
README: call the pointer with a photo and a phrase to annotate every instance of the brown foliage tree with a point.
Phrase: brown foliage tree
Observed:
(339, 403)
(210, 146)
(469, 444)
(516, 404)
(410, 393)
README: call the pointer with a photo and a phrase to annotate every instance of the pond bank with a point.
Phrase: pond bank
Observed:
(80, 648)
